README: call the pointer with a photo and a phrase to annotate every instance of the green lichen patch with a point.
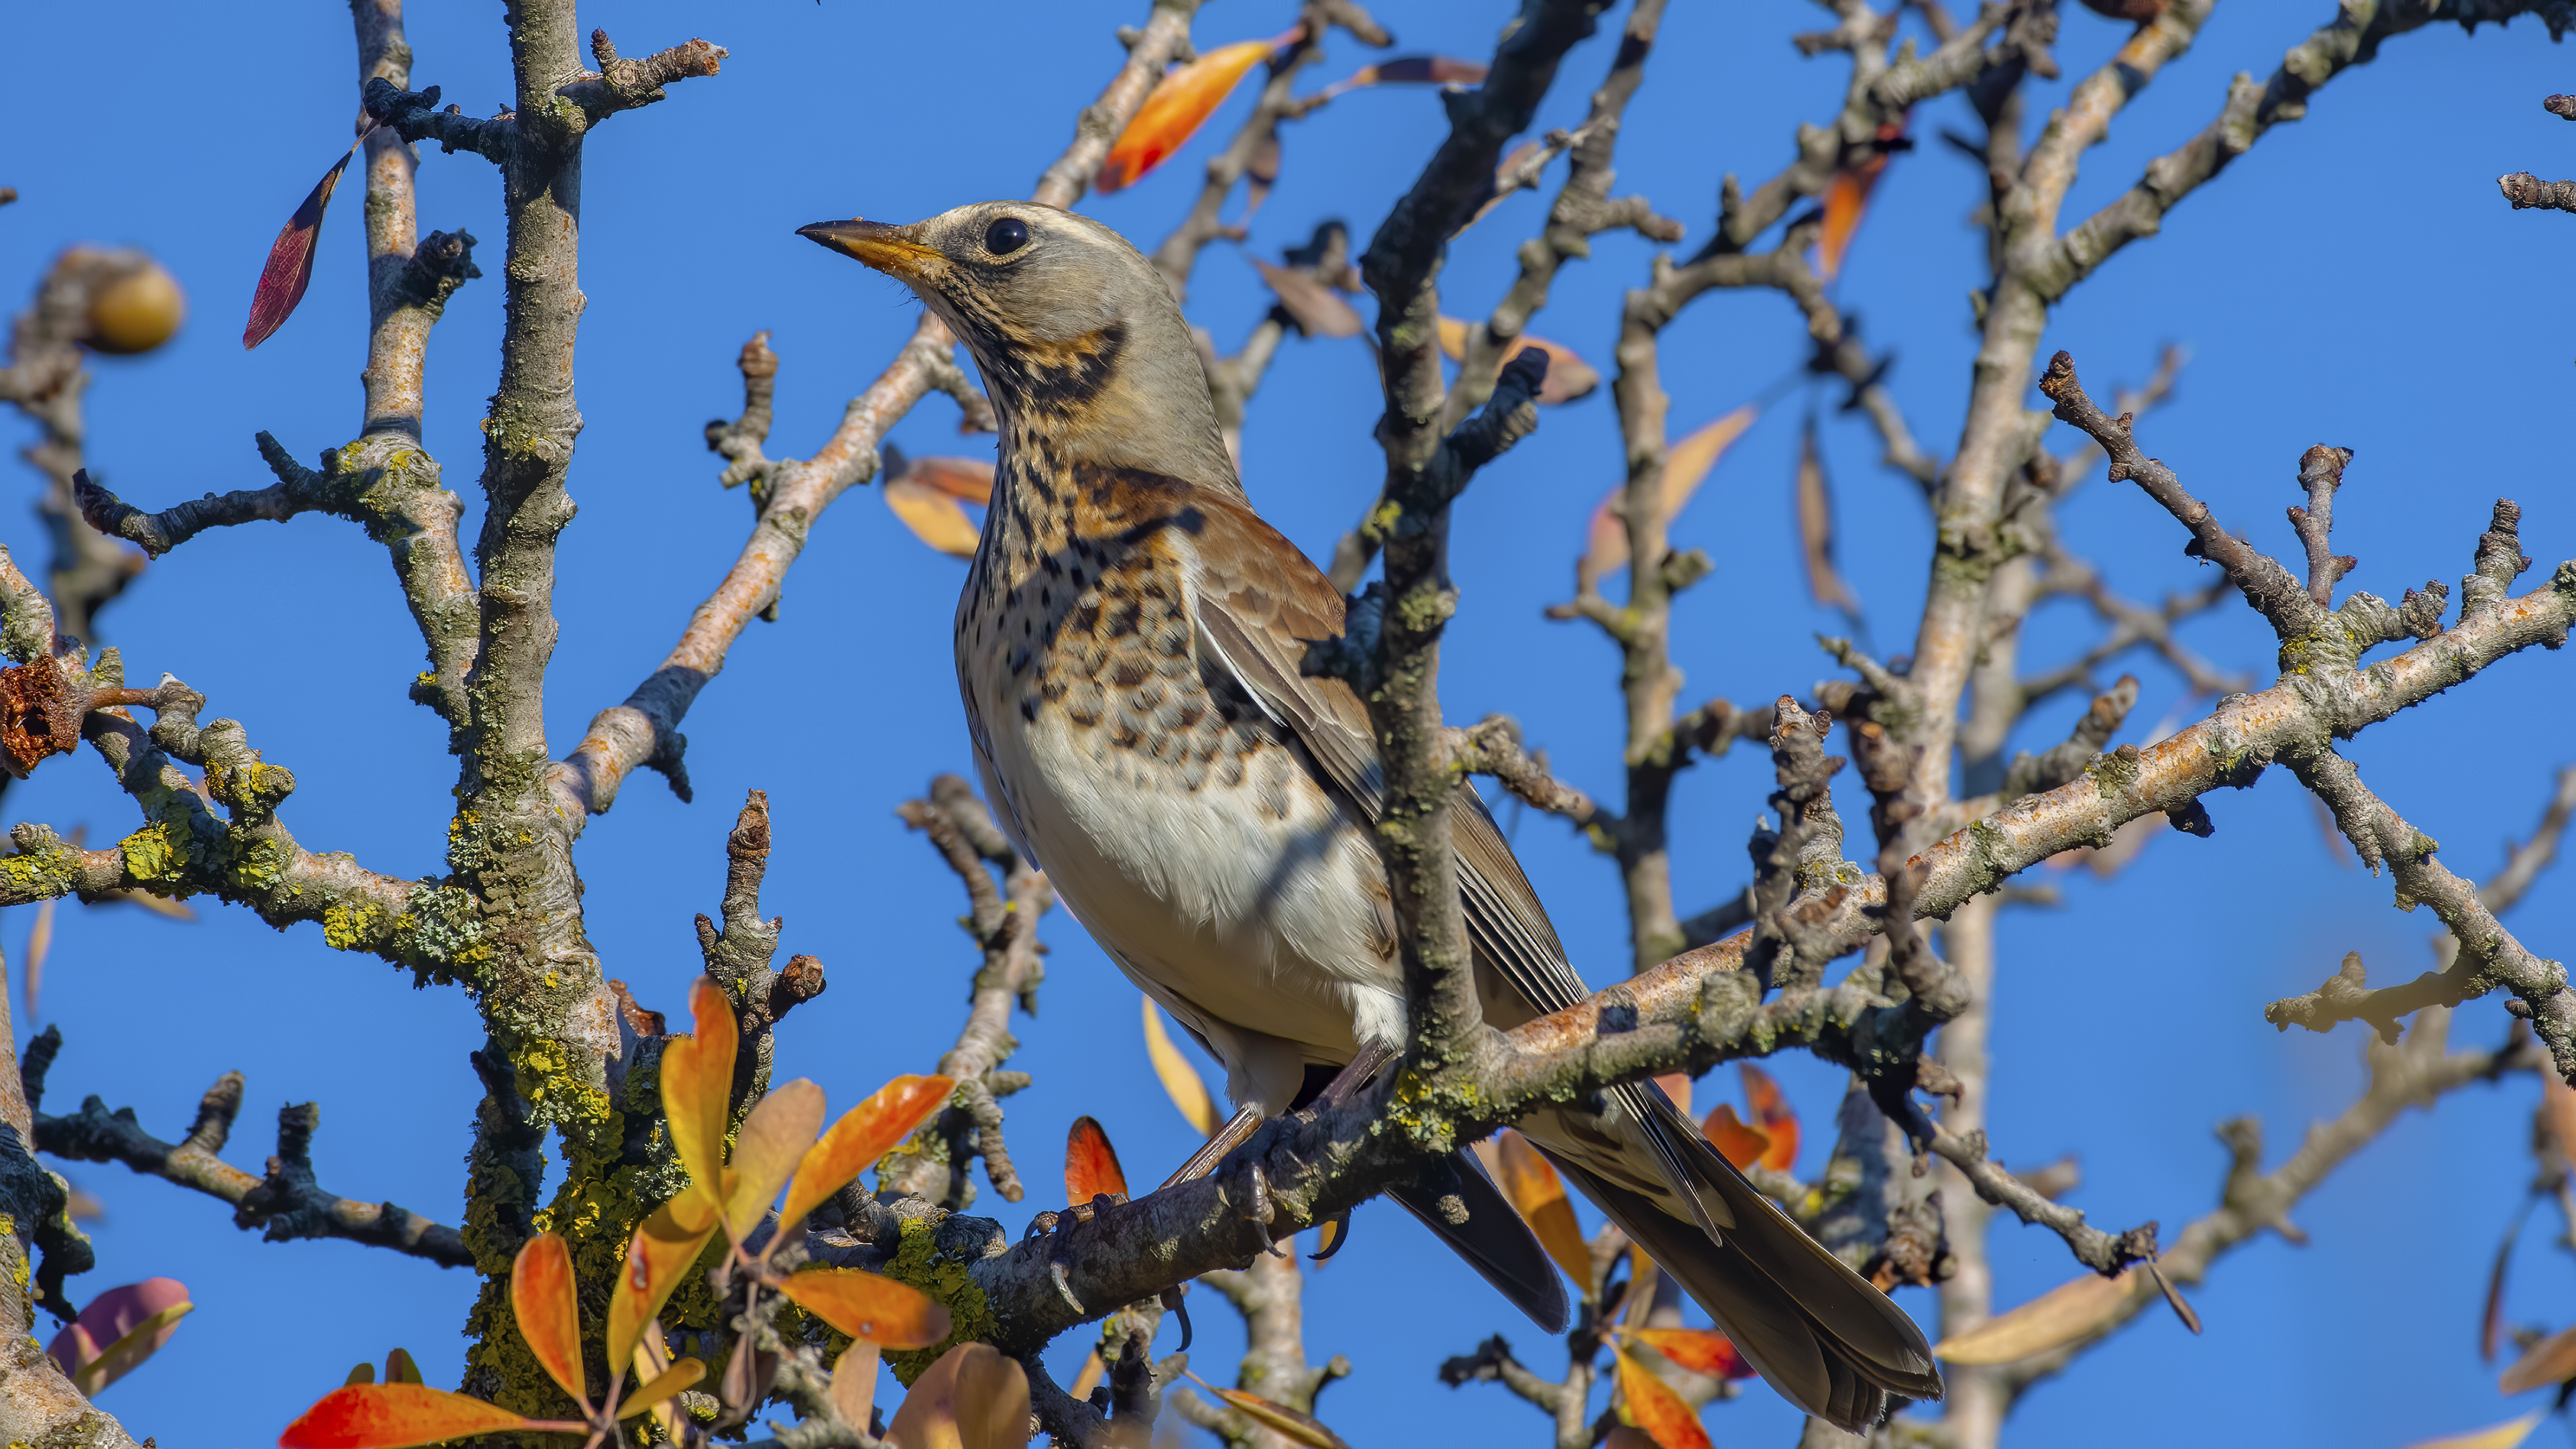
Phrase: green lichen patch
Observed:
(922, 1263)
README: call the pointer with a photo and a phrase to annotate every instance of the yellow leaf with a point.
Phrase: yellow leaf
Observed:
(972, 1398)
(870, 1306)
(1650, 1404)
(662, 1250)
(663, 1386)
(2054, 1319)
(933, 517)
(2502, 1436)
(774, 1136)
(650, 1360)
(1178, 107)
(1686, 463)
(1180, 1081)
(2550, 1361)
(1538, 1195)
(1277, 1418)
(697, 1086)
(865, 1133)
(130, 1349)
(393, 1416)
(541, 1298)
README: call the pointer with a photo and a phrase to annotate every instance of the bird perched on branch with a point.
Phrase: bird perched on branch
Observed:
(1128, 646)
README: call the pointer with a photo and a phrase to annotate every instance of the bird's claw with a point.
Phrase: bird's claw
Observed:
(1340, 1223)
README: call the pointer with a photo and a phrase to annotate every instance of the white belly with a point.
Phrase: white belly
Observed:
(1251, 910)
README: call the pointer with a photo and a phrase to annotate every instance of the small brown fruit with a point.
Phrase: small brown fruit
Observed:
(136, 312)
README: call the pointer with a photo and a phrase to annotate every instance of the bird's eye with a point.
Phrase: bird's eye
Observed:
(1006, 236)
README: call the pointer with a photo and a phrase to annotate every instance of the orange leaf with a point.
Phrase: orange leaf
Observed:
(1701, 1350)
(2501, 1436)
(1686, 463)
(972, 1398)
(1178, 107)
(2054, 1319)
(697, 1086)
(1568, 375)
(868, 1305)
(1539, 1196)
(1180, 1080)
(541, 1298)
(1090, 1164)
(1277, 1418)
(773, 1137)
(662, 1386)
(391, 1416)
(1737, 1143)
(1771, 1113)
(933, 517)
(1649, 1403)
(663, 1248)
(1816, 527)
(863, 1135)
(289, 269)
(2550, 1361)
(1677, 1088)
(969, 479)
(1846, 198)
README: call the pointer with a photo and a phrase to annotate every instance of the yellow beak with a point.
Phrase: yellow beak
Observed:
(889, 249)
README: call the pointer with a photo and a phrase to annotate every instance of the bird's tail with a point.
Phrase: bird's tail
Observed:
(1494, 1240)
(1816, 1330)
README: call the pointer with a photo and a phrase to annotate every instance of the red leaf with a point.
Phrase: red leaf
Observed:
(289, 269)
(1701, 1350)
(1771, 1113)
(1090, 1164)
(1737, 1143)
(391, 1416)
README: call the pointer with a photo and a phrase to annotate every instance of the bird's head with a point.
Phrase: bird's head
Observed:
(1078, 338)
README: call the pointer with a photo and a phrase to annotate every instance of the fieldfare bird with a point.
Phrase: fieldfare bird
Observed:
(1128, 646)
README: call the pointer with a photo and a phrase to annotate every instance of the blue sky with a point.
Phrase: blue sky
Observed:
(2354, 280)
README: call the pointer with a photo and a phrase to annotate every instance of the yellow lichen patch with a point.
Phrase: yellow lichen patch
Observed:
(353, 925)
(149, 852)
(920, 1264)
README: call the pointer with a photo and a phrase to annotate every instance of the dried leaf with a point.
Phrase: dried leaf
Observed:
(969, 479)
(1686, 463)
(1737, 1143)
(773, 1138)
(662, 1386)
(541, 1298)
(1628, 1437)
(1568, 375)
(664, 1246)
(2173, 1297)
(972, 1398)
(697, 1086)
(1260, 173)
(1318, 310)
(1816, 527)
(2491, 1322)
(80, 1207)
(1846, 198)
(869, 1305)
(865, 1133)
(1771, 1113)
(933, 517)
(2054, 1319)
(393, 1416)
(2550, 1361)
(1090, 1164)
(1279, 1419)
(2557, 1108)
(289, 269)
(1501, 186)
(1700, 1350)
(118, 1330)
(40, 943)
(1178, 107)
(1180, 1080)
(1409, 69)
(1538, 1194)
(2502, 1436)
(157, 905)
(1650, 1404)
(854, 1381)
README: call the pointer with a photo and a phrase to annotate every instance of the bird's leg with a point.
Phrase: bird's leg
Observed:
(1346, 1083)
(1238, 1129)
